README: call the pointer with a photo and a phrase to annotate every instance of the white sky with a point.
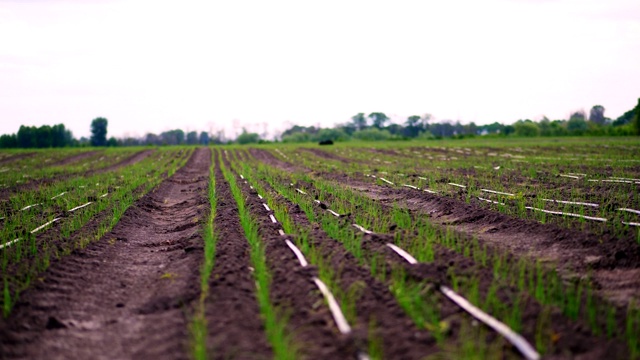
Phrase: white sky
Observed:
(151, 66)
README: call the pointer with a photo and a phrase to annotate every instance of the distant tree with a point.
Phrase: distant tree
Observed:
(378, 119)
(596, 115)
(372, 134)
(577, 125)
(204, 138)
(192, 138)
(545, 126)
(359, 121)
(112, 142)
(8, 141)
(172, 137)
(413, 126)
(636, 119)
(579, 115)
(526, 128)
(330, 134)
(99, 132)
(625, 118)
(247, 137)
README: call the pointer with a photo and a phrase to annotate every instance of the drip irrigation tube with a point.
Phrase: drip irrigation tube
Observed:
(362, 229)
(333, 213)
(567, 214)
(458, 185)
(273, 219)
(81, 206)
(387, 181)
(631, 223)
(44, 226)
(338, 316)
(297, 252)
(514, 338)
(629, 210)
(301, 192)
(29, 207)
(572, 202)
(266, 206)
(497, 192)
(490, 201)
(57, 196)
(569, 176)
(430, 191)
(411, 186)
(7, 244)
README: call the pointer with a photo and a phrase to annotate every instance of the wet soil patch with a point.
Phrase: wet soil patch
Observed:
(235, 327)
(127, 295)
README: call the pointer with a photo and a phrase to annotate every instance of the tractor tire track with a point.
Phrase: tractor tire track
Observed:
(127, 295)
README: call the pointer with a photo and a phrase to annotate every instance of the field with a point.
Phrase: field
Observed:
(460, 249)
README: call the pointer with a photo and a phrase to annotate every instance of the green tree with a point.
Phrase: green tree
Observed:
(247, 137)
(359, 121)
(192, 138)
(596, 115)
(526, 128)
(379, 119)
(636, 119)
(99, 131)
(204, 138)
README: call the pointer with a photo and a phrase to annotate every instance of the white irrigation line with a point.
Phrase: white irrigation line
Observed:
(333, 213)
(362, 229)
(631, 223)
(577, 174)
(9, 243)
(570, 176)
(104, 195)
(617, 181)
(266, 206)
(301, 192)
(490, 201)
(621, 178)
(405, 255)
(629, 210)
(29, 207)
(497, 192)
(411, 186)
(430, 191)
(514, 338)
(57, 196)
(338, 316)
(458, 185)
(80, 207)
(260, 196)
(572, 202)
(250, 187)
(273, 219)
(568, 214)
(44, 225)
(241, 177)
(297, 252)
(387, 181)
(281, 232)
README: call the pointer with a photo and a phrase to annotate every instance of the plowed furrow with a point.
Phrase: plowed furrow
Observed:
(126, 301)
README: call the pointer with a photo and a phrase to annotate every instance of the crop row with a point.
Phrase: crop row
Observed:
(530, 278)
(68, 215)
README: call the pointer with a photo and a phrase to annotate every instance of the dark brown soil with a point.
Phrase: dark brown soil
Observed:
(13, 158)
(326, 155)
(135, 158)
(235, 328)
(375, 305)
(128, 295)
(268, 158)
(75, 158)
(294, 293)
(613, 265)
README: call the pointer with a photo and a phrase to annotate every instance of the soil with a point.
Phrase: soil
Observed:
(326, 155)
(75, 158)
(127, 295)
(375, 304)
(573, 252)
(235, 328)
(38, 183)
(9, 159)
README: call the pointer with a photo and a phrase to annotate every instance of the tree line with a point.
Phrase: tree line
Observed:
(372, 127)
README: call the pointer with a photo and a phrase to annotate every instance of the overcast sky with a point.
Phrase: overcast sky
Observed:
(151, 66)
